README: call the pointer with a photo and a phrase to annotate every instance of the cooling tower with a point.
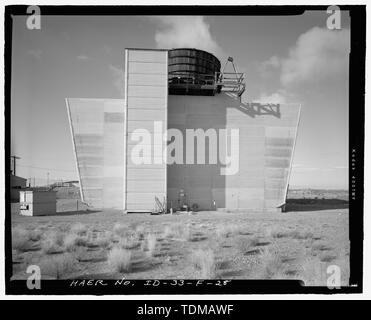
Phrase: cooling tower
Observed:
(167, 95)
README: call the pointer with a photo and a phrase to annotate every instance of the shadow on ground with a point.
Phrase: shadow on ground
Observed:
(73, 213)
(315, 204)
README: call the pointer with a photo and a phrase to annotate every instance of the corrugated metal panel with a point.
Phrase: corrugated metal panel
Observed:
(146, 80)
(97, 127)
(266, 143)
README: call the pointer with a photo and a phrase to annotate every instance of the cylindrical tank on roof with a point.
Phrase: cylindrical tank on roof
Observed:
(192, 72)
(192, 61)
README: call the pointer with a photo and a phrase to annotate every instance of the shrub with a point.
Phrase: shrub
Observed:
(291, 234)
(129, 241)
(149, 244)
(246, 244)
(178, 231)
(71, 242)
(21, 239)
(119, 259)
(35, 235)
(203, 261)
(79, 229)
(53, 242)
(103, 240)
(327, 257)
(226, 230)
(140, 231)
(271, 264)
(120, 229)
(57, 266)
(301, 236)
(321, 247)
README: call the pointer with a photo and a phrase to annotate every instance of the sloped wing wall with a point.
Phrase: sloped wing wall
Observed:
(97, 129)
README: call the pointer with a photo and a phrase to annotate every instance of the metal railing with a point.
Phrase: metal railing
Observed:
(227, 82)
(232, 82)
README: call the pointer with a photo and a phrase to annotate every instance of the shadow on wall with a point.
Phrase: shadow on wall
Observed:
(253, 109)
(203, 184)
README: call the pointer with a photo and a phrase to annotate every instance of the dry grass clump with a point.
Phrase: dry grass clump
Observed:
(203, 261)
(130, 241)
(226, 230)
(66, 227)
(57, 266)
(149, 244)
(119, 259)
(21, 239)
(140, 231)
(295, 234)
(120, 229)
(103, 239)
(178, 231)
(313, 272)
(270, 264)
(166, 232)
(301, 235)
(246, 244)
(53, 242)
(327, 257)
(79, 229)
(90, 240)
(321, 247)
(72, 241)
(35, 235)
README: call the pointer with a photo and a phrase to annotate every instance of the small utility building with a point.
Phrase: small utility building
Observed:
(38, 202)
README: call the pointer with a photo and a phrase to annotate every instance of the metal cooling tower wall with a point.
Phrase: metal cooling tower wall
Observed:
(106, 134)
(97, 128)
(266, 143)
(146, 78)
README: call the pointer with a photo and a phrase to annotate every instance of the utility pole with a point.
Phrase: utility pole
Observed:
(14, 160)
(47, 179)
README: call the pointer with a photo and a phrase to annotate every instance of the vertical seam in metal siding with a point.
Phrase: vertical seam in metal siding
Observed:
(292, 155)
(166, 123)
(74, 148)
(125, 127)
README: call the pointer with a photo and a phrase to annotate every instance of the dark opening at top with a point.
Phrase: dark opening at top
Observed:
(193, 72)
(197, 72)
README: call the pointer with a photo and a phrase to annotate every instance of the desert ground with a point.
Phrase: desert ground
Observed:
(203, 245)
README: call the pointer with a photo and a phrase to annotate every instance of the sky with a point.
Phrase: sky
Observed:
(285, 59)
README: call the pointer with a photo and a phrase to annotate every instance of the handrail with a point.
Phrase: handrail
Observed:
(227, 81)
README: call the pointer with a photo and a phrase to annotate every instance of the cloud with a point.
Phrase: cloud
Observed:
(278, 97)
(302, 168)
(83, 57)
(272, 63)
(319, 54)
(185, 31)
(107, 49)
(117, 78)
(36, 53)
